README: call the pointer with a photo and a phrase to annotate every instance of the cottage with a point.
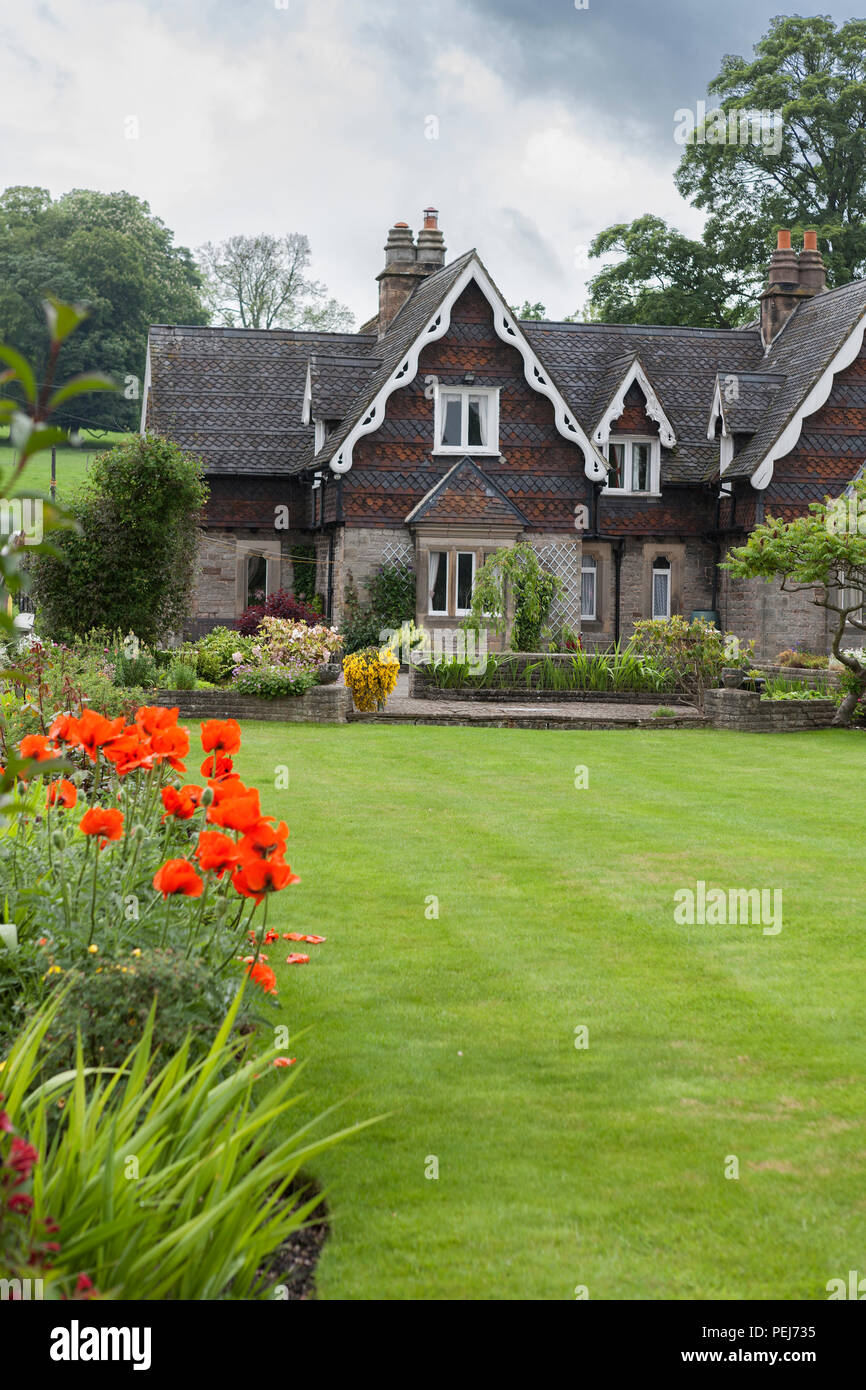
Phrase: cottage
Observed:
(631, 457)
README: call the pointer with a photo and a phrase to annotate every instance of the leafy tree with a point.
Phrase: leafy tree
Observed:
(821, 554)
(106, 251)
(666, 277)
(529, 311)
(130, 565)
(808, 169)
(261, 282)
(814, 73)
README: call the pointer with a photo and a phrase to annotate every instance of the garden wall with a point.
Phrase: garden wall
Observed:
(422, 687)
(799, 674)
(746, 711)
(323, 704)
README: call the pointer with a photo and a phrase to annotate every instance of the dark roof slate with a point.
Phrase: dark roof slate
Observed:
(801, 352)
(465, 493)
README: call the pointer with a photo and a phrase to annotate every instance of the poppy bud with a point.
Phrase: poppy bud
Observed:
(57, 839)
(207, 796)
(139, 832)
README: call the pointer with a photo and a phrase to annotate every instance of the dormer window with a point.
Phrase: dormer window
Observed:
(467, 420)
(635, 464)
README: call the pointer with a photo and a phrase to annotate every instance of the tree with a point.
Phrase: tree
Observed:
(130, 565)
(823, 554)
(526, 310)
(813, 172)
(514, 567)
(665, 277)
(785, 147)
(260, 282)
(106, 251)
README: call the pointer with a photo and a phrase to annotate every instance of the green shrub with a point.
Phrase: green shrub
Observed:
(110, 1002)
(168, 1181)
(215, 653)
(273, 682)
(391, 603)
(181, 676)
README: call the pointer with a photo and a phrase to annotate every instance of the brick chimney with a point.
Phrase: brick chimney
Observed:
(790, 280)
(407, 264)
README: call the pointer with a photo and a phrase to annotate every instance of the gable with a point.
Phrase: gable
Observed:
(466, 494)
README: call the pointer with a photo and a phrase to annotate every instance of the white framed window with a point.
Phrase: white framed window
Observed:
(635, 464)
(465, 580)
(438, 582)
(852, 594)
(466, 420)
(661, 595)
(588, 588)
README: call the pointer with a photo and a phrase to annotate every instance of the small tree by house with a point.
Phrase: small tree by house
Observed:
(826, 554)
(515, 568)
(130, 565)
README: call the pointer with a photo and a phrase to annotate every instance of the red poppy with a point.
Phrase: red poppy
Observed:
(92, 731)
(228, 787)
(296, 959)
(153, 719)
(263, 839)
(178, 876)
(221, 736)
(171, 744)
(64, 728)
(63, 791)
(217, 852)
(183, 804)
(263, 975)
(285, 1061)
(37, 746)
(254, 878)
(236, 813)
(105, 821)
(302, 936)
(129, 750)
(223, 766)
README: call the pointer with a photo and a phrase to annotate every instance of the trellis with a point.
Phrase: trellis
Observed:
(562, 558)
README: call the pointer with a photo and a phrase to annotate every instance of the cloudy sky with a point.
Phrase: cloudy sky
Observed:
(530, 124)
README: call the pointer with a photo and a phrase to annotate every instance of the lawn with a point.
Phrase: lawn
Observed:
(72, 463)
(559, 1166)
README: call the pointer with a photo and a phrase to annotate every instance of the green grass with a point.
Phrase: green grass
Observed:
(558, 1166)
(72, 464)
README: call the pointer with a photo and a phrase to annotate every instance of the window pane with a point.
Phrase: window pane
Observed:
(465, 576)
(661, 594)
(616, 456)
(587, 593)
(640, 467)
(478, 421)
(452, 407)
(257, 579)
(438, 581)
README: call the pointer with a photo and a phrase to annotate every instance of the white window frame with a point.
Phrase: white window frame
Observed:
(438, 612)
(667, 571)
(461, 612)
(589, 565)
(654, 489)
(491, 393)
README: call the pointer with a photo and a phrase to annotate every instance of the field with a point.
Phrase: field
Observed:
(712, 1050)
(72, 464)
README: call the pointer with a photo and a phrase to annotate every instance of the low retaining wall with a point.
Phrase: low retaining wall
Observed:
(800, 675)
(422, 687)
(746, 711)
(323, 704)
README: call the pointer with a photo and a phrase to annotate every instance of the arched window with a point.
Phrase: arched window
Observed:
(588, 588)
(661, 595)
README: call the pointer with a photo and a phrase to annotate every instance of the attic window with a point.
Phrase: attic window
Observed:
(466, 420)
(634, 464)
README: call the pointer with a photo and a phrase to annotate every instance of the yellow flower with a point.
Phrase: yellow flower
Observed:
(137, 951)
(93, 949)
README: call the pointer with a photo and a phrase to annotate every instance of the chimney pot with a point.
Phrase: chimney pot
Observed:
(783, 240)
(810, 241)
(431, 218)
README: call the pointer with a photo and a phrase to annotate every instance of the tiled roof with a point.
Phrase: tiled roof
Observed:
(234, 395)
(466, 493)
(801, 353)
(681, 364)
(746, 397)
(336, 378)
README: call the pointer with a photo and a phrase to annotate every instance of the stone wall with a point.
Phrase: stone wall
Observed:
(323, 704)
(359, 551)
(422, 687)
(753, 608)
(745, 711)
